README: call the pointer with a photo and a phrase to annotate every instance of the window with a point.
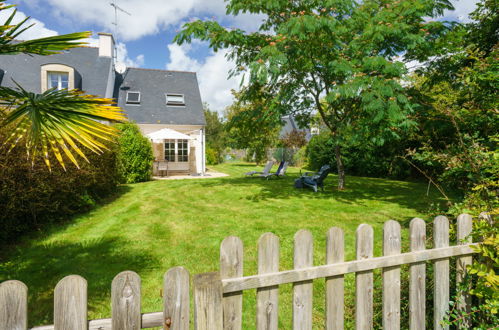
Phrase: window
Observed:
(177, 151)
(183, 151)
(133, 97)
(58, 76)
(170, 150)
(58, 80)
(175, 99)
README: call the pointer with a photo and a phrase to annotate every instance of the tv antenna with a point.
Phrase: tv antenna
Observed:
(115, 23)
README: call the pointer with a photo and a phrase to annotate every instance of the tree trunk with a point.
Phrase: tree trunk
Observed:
(341, 168)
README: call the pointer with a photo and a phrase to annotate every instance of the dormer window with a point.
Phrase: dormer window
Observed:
(133, 97)
(175, 99)
(58, 80)
(58, 76)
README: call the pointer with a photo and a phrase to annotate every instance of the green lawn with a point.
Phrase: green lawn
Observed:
(156, 225)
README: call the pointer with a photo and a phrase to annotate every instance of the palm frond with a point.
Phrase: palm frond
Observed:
(58, 121)
(42, 46)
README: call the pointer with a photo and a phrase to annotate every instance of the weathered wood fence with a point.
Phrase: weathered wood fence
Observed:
(218, 296)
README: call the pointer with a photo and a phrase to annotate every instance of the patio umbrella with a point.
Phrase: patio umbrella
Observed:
(167, 134)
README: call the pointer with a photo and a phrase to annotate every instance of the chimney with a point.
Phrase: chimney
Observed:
(106, 44)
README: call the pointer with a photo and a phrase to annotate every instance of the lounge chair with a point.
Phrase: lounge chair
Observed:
(281, 171)
(266, 170)
(313, 181)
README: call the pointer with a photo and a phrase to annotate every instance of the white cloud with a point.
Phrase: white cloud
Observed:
(37, 31)
(212, 75)
(147, 17)
(122, 56)
(180, 60)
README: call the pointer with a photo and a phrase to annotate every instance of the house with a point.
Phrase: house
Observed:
(157, 100)
(290, 125)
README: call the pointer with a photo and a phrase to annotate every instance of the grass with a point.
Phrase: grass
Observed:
(157, 225)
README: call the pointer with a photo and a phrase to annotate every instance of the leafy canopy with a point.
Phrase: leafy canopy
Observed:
(246, 131)
(346, 52)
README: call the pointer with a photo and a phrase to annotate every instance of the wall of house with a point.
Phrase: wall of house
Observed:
(198, 143)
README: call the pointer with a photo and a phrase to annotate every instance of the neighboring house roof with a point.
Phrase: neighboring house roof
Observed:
(291, 125)
(92, 73)
(153, 86)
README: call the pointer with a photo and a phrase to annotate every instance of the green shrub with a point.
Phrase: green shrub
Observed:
(135, 154)
(374, 161)
(212, 156)
(31, 196)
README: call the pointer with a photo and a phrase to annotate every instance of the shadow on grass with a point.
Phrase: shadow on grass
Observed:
(41, 266)
(47, 229)
(358, 190)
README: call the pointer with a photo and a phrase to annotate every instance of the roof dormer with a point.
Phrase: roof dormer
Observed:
(57, 76)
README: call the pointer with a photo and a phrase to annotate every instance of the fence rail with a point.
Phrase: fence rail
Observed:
(218, 296)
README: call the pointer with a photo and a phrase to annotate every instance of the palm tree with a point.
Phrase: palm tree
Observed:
(56, 121)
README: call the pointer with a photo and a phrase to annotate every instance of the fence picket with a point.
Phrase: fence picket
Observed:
(13, 305)
(70, 303)
(391, 277)
(464, 227)
(267, 299)
(208, 310)
(302, 291)
(417, 278)
(125, 300)
(364, 280)
(231, 265)
(335, 285)
(176, 299)
(441, 276)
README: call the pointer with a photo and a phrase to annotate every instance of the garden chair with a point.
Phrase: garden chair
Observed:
(281, 171)
(314, 181)
(266, 170)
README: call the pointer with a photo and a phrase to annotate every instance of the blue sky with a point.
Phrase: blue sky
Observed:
(145, 37)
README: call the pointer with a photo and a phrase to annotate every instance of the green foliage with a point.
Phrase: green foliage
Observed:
(482, 278)
(215, 137)
(248, 128)
(135, 154)
(31, 196)
(459, 122)
(459, 145)
(212, 156)
(363, 160)
(344, 49)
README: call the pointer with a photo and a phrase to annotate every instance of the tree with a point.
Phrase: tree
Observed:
(215, 134)
(345, 52)
(248, 128)
(294, 139)
(460, 125)
(56, 121)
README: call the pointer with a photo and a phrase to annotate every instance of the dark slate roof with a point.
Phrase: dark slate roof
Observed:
(153, 85)
(91, 71)
(289, 125)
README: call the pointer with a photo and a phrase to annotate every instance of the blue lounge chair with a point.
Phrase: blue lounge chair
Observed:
(281, 171)
(266, 170)
(313, 180)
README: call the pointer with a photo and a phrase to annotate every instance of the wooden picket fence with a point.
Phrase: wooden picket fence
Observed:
(218, 296)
